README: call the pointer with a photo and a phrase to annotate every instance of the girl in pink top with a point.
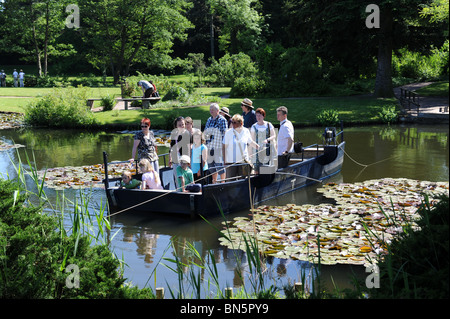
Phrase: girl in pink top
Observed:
(150, 179)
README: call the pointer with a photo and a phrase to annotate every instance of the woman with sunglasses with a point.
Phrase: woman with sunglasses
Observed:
(145, 145)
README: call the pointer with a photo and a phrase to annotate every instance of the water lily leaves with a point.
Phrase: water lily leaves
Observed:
(6, 146)
(354, 231)
(11, 120)
(82, 176)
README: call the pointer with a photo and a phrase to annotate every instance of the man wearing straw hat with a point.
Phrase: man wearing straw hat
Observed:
(225, 112)
(248, 113)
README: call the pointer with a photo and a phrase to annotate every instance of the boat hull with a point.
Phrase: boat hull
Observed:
(230, 196)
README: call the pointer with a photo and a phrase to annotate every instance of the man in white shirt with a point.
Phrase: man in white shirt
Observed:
(21, 78)
(285, 139)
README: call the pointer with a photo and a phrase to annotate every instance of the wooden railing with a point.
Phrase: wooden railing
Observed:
(409, 99)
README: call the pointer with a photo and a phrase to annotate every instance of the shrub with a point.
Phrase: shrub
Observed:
(108, 102)
(247, 87)
(61, 108)
(231, 67)
(328, 117)
(34, 252)
(421, 67)
(176, 93)
(388, 114)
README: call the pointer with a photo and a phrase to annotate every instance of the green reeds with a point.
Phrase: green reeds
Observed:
(416, 264)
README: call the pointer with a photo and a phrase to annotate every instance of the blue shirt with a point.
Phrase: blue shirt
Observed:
(249, 119)
(196, 158)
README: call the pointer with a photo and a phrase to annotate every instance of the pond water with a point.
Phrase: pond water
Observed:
(416, 152)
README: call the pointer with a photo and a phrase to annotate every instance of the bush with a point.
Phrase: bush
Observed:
(388, 114)
(421, 67)
(34, 252)
(328, 117)
(247, 87)
(231, 67)
(176, 93)
(62, 108)
(108, 102)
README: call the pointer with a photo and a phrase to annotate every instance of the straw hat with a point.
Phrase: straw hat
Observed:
(225, 111)
(247, 102)
(185, 158)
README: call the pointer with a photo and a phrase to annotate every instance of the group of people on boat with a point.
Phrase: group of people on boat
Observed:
(229, 146)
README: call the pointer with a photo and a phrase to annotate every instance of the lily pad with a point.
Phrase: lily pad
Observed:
(382, 206)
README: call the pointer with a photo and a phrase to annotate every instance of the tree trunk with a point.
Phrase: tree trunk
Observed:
(383, 81)
(47, 18)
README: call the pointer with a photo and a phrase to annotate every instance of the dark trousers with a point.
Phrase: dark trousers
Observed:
(283, 160)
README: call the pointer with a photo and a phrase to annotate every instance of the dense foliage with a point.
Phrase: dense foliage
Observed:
(288, 47)
(35, 251)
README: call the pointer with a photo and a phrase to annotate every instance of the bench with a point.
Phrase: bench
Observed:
(151, 100)
(90, 102)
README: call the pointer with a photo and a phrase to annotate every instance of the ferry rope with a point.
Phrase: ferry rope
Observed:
(364, 165)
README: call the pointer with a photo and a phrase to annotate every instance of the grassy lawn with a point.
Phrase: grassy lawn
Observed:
(23, 96)
(302, 111)
(435, 89)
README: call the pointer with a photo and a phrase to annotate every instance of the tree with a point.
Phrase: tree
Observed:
(242, 24)
(30, 28)
(123, 32)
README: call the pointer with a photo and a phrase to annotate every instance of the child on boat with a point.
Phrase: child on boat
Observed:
(150, 178)
(186, 177)
(199, 156)
(128, 181)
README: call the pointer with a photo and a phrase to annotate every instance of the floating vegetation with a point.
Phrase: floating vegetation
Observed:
(6, 146)
(11, 120)
(354, 231)
(82, 176)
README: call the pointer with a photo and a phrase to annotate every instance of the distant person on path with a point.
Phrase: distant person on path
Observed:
(15, 77)
(21, 78)
(248, 113)
(215, 129)
(145, 145)
(3, 79)
(147, 88)
(285, 140)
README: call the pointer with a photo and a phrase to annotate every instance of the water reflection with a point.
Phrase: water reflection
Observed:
(416, 152)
